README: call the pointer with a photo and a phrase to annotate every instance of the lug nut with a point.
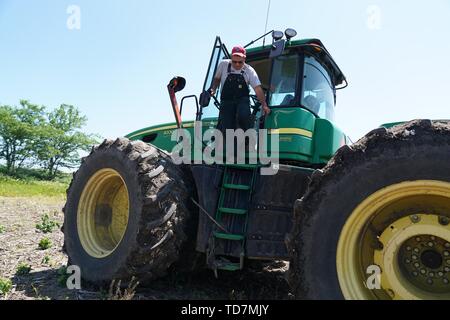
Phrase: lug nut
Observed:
(444, 221)
(414, 257)
(415, 274)
(447, 245)
(431, 274)
(433, 238)
(407, 261)
(445, 281)
(418, 239)
(446, 253)
(447, 269)
(417, 265)
(423, 271)
(430, 244)
(416, 250)
(440, 274)
(408, 248)
(415, 218)
(430, 282)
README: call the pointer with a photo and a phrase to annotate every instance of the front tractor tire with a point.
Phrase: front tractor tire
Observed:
(127, 213)
(380, 207)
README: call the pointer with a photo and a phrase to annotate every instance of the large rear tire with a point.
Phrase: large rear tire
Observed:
(127, 213)
(381, 206)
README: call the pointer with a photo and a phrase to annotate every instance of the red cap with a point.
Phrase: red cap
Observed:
(239, 51)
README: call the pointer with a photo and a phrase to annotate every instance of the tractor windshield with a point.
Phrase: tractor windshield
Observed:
(317, 90)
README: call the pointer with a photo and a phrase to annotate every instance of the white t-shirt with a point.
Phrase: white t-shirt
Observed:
(250, 75)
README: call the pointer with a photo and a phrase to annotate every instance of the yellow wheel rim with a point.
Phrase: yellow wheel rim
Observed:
(102, 217)
(403, 231)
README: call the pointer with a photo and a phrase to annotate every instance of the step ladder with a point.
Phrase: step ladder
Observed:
(232, 216)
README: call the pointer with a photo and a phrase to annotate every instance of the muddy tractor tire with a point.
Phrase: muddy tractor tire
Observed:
(374, 223)
(127, 213)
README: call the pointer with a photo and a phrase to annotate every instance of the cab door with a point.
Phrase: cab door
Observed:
(219, 53)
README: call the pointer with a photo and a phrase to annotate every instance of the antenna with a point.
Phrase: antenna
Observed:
(267, 22)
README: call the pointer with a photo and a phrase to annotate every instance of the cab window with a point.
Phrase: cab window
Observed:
(318, 94)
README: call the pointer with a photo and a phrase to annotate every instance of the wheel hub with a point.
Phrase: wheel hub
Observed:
(410, 248)
(422, 261)
(413, 258)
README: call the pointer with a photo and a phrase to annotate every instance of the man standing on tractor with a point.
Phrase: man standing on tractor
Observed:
(235, 76)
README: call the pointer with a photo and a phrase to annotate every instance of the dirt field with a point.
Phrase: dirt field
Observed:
(19, 243)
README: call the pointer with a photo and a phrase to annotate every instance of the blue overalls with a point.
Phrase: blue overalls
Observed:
(235, 103)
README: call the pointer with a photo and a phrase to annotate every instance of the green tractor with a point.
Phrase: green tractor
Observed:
(364, 220)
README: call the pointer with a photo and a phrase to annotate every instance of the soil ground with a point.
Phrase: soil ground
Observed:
(19, 244)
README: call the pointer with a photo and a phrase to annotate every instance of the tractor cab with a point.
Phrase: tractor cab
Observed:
(300, 80)
(294, 74)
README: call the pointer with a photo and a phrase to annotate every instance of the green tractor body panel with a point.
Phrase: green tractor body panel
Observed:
(302, 137)
(391, 124)
(295, 127)
(327, 140)
(161, 136)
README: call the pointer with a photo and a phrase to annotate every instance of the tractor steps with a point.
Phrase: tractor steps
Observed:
(233, 211)
(229, 236)
(237, 187)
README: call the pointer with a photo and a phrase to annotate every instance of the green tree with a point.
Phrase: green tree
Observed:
(61, 140)
(19, 129)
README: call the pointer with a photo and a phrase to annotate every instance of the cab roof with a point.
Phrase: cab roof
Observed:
(313, 46)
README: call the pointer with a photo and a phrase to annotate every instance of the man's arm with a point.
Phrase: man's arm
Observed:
(262, 99)
(218, 77)
(215, 85)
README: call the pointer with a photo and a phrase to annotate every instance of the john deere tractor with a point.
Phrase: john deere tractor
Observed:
(364, 220)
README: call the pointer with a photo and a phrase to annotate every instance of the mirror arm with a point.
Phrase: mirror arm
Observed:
(175, 107)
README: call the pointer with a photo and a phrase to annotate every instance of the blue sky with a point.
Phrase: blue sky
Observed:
(115, 68)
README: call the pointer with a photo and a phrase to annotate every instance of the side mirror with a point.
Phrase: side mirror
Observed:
(205, 99)
(277, 48)
(177, 84)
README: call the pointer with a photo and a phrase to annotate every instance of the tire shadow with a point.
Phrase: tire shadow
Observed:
(43, 285)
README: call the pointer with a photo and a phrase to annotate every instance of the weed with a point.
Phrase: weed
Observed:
(46, 260)
(2, 229)
(115, 292)
(23, 269)
(5, 286)
(45, 244)
(62, 276)
(47, 225)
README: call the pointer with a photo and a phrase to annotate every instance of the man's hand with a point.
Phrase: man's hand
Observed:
(212, 91)
(262, 99)
(266, 110)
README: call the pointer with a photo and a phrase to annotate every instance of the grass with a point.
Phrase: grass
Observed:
(45, 244)
(2, 229)
(47, 225)
(32, 183)
(23, 269)
(5, 286)
(11, 187)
